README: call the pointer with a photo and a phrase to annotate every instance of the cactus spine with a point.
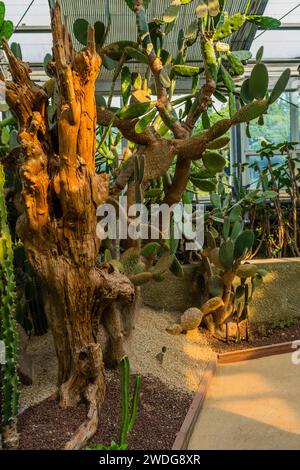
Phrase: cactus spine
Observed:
(8, 333)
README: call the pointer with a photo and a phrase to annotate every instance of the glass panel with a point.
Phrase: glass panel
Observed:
(37, 15)
(278, 8)
(277, 44)
(277, 127)
(262, 163)
(34, 46)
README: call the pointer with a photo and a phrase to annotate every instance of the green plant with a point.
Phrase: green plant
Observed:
(6, 26)
(8, 333)
(230, 277)
(61, 189)
(285, 323)
(281, 177)
(160, 356)
(129, 409)
(149, 263)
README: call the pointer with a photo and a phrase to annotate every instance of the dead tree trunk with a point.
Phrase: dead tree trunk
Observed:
(58, 228)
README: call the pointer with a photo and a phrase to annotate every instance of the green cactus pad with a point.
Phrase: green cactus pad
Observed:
(226, 254)
(259, 81)
(141, 278)
(150, 249)
(214, 161)
(246, 270)
(250, 111)
(229, 26)
(280, 86)
(243, 243)
(219, 143)
(130, 259)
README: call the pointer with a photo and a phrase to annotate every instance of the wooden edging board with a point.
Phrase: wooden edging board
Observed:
(255, 353)
(183, 436)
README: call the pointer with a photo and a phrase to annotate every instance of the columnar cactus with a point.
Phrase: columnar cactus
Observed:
(129, 406)
(8, 333)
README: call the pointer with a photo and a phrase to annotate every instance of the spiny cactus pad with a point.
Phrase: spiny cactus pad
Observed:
(211, 305)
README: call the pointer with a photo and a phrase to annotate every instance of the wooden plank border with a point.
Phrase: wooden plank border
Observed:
(183, 436)
(255, 353)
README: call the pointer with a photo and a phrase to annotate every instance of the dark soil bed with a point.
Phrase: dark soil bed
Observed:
(262, 334)
(161, 413)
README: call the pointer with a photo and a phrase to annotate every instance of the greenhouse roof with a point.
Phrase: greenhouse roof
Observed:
(32, 19)
(36, 22)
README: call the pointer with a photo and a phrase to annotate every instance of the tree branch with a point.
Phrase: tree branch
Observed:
(203, 97)
(28, 104)
(125, 126)
(164, 106)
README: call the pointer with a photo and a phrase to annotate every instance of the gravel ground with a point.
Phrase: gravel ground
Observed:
(182, 368)
(161, 411)
(261, 334)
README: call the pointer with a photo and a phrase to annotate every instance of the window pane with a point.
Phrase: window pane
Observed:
(278, 8)
(37, 15)
(277, 44)
(276, 126)
(253, 176)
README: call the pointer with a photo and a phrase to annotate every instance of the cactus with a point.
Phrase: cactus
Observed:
(259, 81)
(8, 333)
(142, 265)
(214, 161)
(16, 50)
(80, 29)
(130, 259)
(228, 27)
(235, 64)
(229, 303)
(6, 26)
(226, 254)
(129, 408)
(280, 86)
(219, 143)
(210, 56)
(243, 244)
(251, 111)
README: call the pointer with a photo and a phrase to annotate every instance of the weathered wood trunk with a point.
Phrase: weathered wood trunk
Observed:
(61, 193)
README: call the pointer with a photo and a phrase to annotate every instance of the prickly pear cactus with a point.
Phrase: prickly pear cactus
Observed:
(231, 280)
(8, 333)
(143, 265)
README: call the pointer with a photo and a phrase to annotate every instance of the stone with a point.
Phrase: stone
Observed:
(191, 319)
(174, 329)
(25, 369)
(23, 336)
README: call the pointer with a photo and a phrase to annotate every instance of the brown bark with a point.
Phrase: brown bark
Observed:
(58, 228)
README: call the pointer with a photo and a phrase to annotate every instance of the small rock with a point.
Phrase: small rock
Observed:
(25, 367)
(191, 319)
(174, 329)
(23, 336)
(160, 357)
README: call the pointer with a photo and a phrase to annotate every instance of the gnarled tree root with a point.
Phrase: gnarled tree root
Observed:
(89, 427)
